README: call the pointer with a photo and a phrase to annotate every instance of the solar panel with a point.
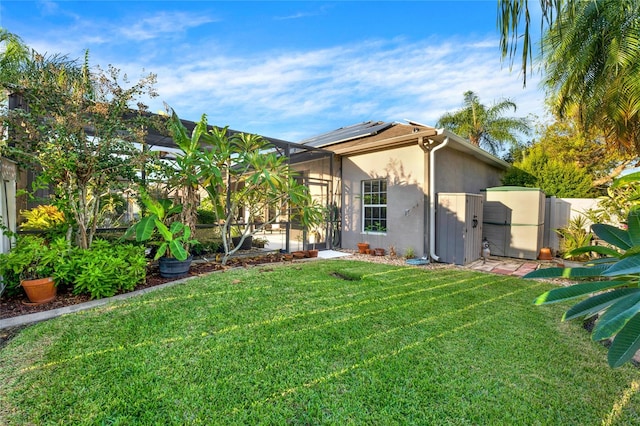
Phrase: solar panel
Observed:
(343, 134)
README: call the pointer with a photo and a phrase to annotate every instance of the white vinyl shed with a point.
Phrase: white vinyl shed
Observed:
(514, 221)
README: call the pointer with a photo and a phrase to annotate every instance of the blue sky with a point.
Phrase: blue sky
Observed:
(289, 69)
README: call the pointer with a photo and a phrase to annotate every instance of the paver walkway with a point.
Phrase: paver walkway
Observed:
(505, 266)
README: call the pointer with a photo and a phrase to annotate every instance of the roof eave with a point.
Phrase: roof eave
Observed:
(463, 145)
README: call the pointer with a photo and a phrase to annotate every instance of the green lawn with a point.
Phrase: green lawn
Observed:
(324, 342)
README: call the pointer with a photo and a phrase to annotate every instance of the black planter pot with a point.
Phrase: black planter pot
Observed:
(172, 268)
(246, 244)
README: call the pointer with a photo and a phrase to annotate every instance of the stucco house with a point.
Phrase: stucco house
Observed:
(387, 176)
(380, 181)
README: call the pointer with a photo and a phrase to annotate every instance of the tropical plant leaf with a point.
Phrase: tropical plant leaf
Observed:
(163, 230)
(144, 228)
(597, 303)
(576, 290)
(612, 235)
(632, 251)
(153, 206)
(161, 250)
(616, 316)
(176, 227)
(187, 233)
(594, 271)
(626, 343)
(633, 222)
(626, 180)
(174, 209)
(129, 232)
(177, 250)
(605, 251)
(602, 261)
(626, 266)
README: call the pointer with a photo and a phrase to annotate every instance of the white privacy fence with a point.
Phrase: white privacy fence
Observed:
(558, 213)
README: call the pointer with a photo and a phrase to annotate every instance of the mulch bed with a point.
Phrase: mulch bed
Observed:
(19, 305)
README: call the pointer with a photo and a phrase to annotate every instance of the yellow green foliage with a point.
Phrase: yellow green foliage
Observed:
(42, 217)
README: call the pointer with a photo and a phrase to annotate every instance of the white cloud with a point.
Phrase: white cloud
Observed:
(299, 93)
(162, 24)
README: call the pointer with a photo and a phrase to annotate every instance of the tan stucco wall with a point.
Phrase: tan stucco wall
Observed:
(404, 170)
(460, 172)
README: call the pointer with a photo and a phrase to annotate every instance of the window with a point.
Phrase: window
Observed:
(374, 205)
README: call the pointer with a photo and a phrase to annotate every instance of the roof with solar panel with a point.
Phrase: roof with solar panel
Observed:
(343, 134)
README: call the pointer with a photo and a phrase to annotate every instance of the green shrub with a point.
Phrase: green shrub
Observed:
(31, 258)
(103, 270)
(206, 216)
(207, 247)
(553, 176)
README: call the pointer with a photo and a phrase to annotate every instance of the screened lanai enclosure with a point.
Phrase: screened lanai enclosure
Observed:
(313, 167)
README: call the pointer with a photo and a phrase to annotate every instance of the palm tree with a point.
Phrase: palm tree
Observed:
(13, 55)
(592, 62)
(514, 14)
(589, 51)
(484, 126)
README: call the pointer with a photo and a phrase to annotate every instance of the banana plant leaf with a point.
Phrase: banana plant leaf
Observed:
(626, 180)
(175, 228)
(144, 228)
(177, 250)
(163, 230)
(161, 250)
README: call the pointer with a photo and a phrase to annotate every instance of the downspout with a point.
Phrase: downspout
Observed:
(432, 199)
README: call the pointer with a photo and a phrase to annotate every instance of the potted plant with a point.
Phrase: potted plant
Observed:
(376, 229)
(362, 247)
(172, 254)
(260, 242)
(31, 264)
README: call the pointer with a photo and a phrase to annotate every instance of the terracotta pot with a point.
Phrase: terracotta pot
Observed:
(287, 256)
(545, 254)
(313, 253)
(306, 253)
(40, 291)
(367, 251)
(362, 247)
(298, 254)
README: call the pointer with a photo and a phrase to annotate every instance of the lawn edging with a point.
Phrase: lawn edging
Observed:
(53, 313)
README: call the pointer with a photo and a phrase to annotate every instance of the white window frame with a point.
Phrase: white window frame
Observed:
(382, 194)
